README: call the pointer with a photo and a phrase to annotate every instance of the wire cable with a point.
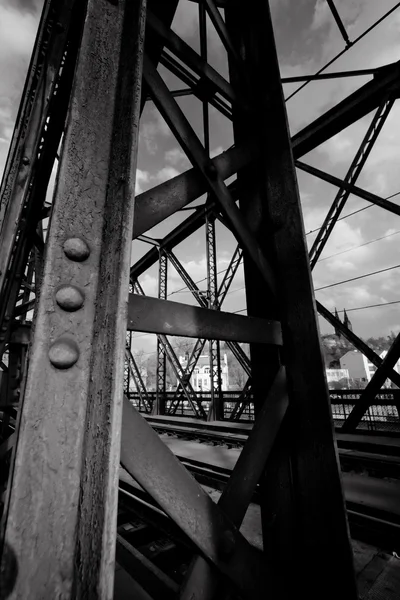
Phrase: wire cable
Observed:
(325, 287)
(371, 306)
(354, 212)
(360, 246)
(348, 309)
(328, 64)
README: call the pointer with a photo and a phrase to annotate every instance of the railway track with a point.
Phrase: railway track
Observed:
(379, 456)
(158, 554)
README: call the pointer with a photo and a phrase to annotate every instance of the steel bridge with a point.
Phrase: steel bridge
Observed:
(87, 479)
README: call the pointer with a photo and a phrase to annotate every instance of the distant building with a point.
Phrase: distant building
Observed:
(336, 375)
(358, 366)
(388, 382)
(201, 377)
(361, 369)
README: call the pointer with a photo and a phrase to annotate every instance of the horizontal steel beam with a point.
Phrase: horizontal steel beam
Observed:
(155, 205)
(152, 315)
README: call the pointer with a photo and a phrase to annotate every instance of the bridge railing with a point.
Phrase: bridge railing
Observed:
(383, 415)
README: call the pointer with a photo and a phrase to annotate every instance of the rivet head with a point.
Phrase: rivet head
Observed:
(227, 544)
(76, 249)
(63, 353)
(69, 297)
(25, 161)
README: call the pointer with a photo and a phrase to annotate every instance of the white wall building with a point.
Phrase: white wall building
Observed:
(357, 365)
(201, 377)
(336, 374)
(388, 382)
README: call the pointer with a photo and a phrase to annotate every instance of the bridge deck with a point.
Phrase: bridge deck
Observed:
(376, 570)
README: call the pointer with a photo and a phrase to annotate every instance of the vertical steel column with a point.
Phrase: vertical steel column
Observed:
(214, 412)
(60, 521)
(212, 287)
(127, 371)
(161, 372)
(303, 512)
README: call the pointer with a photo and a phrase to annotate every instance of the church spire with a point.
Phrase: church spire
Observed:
(346, 321)
(337, 331)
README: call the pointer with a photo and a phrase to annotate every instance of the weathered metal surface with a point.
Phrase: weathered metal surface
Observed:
(297, 512)
(62, 513)
(152, 315)
(159, 472)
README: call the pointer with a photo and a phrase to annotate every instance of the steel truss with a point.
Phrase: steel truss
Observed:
(161, 372)
(61, 497)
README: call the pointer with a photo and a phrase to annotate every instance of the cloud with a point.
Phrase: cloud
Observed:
(177, 158)
(348, 12)
(152, 125)
(164, 174)
(216, 151)
(17, 34)
(142, 177)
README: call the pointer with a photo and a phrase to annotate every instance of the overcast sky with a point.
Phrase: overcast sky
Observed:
(307, 37)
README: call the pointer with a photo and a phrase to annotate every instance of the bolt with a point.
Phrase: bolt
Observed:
(76, 249)
(26, 161)
(63, 353)
(69, 297)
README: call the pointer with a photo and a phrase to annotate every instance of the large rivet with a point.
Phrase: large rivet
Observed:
(69, 297)
(76, 249)
(26, 161)
(227, 544)
(63, 353)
